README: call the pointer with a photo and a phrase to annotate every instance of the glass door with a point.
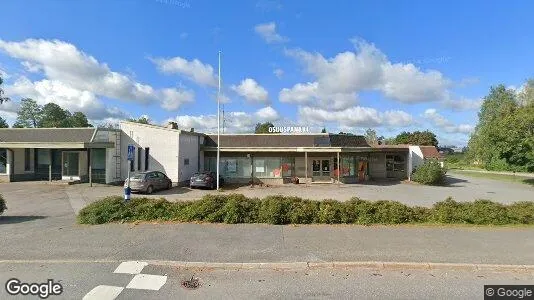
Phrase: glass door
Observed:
(71, 164)
(325, 167)
(316, 167)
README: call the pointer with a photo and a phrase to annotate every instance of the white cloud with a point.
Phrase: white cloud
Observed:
(194, 70)
(355, 117)
(236, 122)
(173, 98)
(251, 91)
(443, 123)
(63, 62)
(367, 68)
(278, 73)
(311, 94)
(268, 32)
(461, 104)
(53, 91)
(267, 114)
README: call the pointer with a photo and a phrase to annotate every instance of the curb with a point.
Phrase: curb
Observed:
(341, 264)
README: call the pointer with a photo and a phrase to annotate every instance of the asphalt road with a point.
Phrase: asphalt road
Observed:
(461, 188)
(40, 240)
(78, 279)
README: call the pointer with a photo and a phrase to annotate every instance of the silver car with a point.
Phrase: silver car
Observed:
(148, 182)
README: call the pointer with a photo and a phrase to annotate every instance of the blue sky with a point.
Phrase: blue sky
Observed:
(392, 66)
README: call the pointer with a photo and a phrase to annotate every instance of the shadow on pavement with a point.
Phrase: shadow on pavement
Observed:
(454, 182)
(18, 219)
(173, 191)
(529, 181)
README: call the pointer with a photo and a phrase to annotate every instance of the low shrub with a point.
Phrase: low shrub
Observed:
(236, 208)
(330, 212)
(3, 206)
(521, 212)
(304, 212)
(429, 173)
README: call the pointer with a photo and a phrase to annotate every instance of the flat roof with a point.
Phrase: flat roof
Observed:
(51, 138)
(286, 140)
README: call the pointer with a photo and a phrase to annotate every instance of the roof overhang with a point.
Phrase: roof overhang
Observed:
(291, 149)
(16, 145)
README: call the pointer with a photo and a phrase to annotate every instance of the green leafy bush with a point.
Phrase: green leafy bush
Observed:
(429, 173)
(3, 206)
(236, 208)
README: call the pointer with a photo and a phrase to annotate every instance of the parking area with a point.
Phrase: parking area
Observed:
(459, 187)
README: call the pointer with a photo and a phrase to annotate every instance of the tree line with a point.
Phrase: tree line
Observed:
(503, 139)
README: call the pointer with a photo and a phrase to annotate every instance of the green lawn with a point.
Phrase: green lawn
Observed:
(512, 178)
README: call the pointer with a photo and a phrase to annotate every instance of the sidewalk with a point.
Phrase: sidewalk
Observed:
(522, 174)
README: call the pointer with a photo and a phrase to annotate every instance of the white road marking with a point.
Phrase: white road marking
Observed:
(104, 292)
(131, 267)
(147, 282)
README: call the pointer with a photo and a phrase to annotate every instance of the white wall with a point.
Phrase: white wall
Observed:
(163, 144)
(188, 149)
(415, 159)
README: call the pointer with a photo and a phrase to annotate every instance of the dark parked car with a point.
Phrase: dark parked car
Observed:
(205, 179)
(147, 182)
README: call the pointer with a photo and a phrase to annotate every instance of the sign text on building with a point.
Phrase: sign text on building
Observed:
(288, 129)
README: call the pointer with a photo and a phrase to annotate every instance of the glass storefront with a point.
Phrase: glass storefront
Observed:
(354, 166)
(263, 167)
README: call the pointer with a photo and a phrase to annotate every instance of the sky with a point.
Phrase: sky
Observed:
(345, 65)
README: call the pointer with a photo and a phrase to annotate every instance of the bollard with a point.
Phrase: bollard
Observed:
(127, 192)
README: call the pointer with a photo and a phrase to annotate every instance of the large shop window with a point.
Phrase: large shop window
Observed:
(267, 167)
(395, 163)
(98, 159)
(3, 161)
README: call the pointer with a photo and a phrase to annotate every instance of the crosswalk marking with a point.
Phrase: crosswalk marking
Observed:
(139, 282)
(131, 267)
(104, 292)
(147, 282)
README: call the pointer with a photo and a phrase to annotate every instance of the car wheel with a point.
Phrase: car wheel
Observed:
(169, 186)
(149, 189)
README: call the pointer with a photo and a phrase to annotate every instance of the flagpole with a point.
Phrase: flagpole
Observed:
(218, 121)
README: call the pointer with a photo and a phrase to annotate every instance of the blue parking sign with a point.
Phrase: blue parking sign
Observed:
(131, 152)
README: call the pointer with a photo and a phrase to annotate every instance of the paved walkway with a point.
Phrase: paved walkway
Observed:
(40, 225)
(522, 174)
(460, 187)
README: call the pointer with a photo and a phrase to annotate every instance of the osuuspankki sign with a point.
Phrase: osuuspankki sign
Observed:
(288, 129)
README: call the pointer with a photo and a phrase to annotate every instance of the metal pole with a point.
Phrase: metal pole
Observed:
(89, 163)
(218, 121)
(338, 168)
(306, 166)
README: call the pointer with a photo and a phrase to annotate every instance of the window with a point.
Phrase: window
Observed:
(288, 166)
(139, 158)
(27, 159)
(147, 151)
(267, 167)
(3, 161)
(186, 161)
(395, 163)
(98, 159)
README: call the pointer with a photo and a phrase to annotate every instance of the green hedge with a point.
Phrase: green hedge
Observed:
(3, 206)
(236, 208)
(429, 173)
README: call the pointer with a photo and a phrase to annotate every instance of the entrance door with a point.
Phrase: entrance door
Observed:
(321, 169)
(71, 161)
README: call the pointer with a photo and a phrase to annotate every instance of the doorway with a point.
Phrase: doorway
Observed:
(70, 165)
(321, 169)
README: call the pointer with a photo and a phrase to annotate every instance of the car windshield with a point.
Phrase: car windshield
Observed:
(138, 176)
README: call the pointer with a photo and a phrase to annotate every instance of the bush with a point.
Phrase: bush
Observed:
(236, 208)
(429, 173)
(304, 212)
(3, 206)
